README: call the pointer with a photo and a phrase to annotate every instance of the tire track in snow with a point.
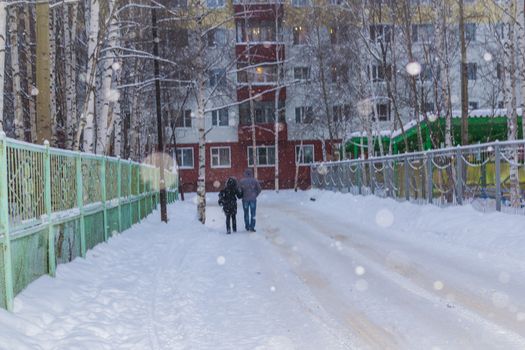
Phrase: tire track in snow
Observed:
(408, 277)
(374, 336)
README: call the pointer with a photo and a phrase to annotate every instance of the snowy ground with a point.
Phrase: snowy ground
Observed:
(340, 272)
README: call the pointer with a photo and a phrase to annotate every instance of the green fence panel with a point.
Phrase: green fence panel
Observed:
(29, 258)
(67, 241)
(94, 224)
(56, 204)
(3, 297)
(113, 227)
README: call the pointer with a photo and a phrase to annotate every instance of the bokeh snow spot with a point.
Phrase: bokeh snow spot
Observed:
(432, 117)
(221, 260)
(360, 270)
(322, 169)
(487, 56)
(520, 316)
(216, 184)
(361, 285)
(500, 299)
(438, 285)
(34, 91)
(413, 68)
(384, 218)
(504, 277)
(272, 288)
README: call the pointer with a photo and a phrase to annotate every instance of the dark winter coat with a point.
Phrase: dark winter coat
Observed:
(228, 197)
(250, 187)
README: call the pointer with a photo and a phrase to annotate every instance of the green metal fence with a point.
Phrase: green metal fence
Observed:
(56, 204)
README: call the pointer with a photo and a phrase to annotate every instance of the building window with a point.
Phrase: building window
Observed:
(180, 3)
(184, 121)
(501, 104)
(339, 73)
(381, 33)
(304, 115)
(217, 77)
(216, 37)
(470, 31)
(304, 154)
(264, 112)
(256, 31)
(428, 107)
(177, 37)
(219, 117)
(259, 74)
(300, 3)
(185, 158)
(341, 112)
(379, 73)
(426, 72)
(473, 105)
(215, 3)
(383, 111)
(338, 35)
(265, 155)
(220, 157)
(422, 33)
(500, 72)
(301, 73)
(472, 71)
(299, 35)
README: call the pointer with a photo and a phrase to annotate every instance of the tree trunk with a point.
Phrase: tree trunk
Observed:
(109, 97)
(510, 101)
(3, 33)
(89, 128)
(52, 77)
(43, 73)
(70, 64)
(28, 15)
(463, 76)
(15, 65)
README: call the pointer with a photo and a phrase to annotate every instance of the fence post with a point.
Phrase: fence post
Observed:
(80, 204)
(372, 177)
(359, 178)
(430, 178)
(119, 193)
(459, 177)
(130, 194)
(104, 195)
(407, 179)
(139, 194)
(497, 180)
(51, 259)
(4, 224)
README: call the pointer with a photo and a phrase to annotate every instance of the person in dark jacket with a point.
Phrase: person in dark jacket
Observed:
(250, 188)
(228, 201)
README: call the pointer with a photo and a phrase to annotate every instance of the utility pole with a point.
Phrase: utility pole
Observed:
(160, 144)
(43, 72)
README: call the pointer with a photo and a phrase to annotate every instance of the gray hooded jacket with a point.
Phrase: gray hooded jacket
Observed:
(250, 186)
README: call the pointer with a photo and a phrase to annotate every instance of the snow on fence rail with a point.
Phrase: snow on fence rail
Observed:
(56, 204)
(491, 176)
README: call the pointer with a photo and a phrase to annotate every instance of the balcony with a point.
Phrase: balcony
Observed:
(263, 132)
(259, 52)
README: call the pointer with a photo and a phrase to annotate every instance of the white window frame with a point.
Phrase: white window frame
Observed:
(301, 162)
(182, 166)
(215, 118)
(217, 156)
(215, 4)
(257, 156)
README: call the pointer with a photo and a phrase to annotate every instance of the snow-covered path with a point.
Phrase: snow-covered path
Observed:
(340, 272)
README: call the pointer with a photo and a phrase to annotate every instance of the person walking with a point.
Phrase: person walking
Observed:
(250, 188)
(228, 201)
